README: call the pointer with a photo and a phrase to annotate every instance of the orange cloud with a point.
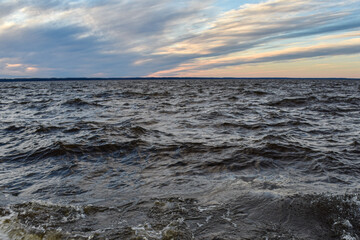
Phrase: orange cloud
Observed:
(13, 65)
(31, 69)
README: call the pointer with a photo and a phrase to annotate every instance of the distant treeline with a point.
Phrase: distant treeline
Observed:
(156, 78)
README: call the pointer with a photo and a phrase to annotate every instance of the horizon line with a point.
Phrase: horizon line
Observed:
(33, 79)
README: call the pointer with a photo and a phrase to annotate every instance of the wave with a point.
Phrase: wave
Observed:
(294, 102)
(15, 128)
(58, 149)
(239, 149)
(144, 95)
(257, 92)
(308, 216)
(342, 99)
(266, 155)
(77, 102)
(47, 129)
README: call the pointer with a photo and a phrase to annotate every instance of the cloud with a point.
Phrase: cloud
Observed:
(351, 34)
(143, 26)
(349, 47)
(11, 68)
(158, 37)
(80, 38)
(255, 24)
(271, 24)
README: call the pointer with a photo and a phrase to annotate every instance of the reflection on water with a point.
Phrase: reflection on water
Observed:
(180, 159)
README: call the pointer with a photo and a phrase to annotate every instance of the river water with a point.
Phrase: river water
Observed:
(180, 159)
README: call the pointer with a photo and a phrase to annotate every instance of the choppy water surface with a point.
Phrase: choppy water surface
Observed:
(180, 159)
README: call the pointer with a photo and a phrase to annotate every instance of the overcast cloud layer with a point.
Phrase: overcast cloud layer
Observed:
(108, 38)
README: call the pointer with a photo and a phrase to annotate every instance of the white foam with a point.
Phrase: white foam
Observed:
(348, 237)
(147, 232)
(347, 224)
(3, 236)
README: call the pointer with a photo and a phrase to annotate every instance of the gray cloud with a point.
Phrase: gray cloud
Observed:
(334, 26)
(91, 38)
(270, 25)
(81, 38)
(6, 9)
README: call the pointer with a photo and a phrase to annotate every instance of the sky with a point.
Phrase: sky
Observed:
(179, 38)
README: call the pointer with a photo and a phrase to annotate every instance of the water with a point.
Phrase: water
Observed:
(180, 159)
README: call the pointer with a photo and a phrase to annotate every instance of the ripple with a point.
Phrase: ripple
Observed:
(204, 159)
(77, 102)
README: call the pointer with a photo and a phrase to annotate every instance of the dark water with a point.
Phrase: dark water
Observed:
(180, 159)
